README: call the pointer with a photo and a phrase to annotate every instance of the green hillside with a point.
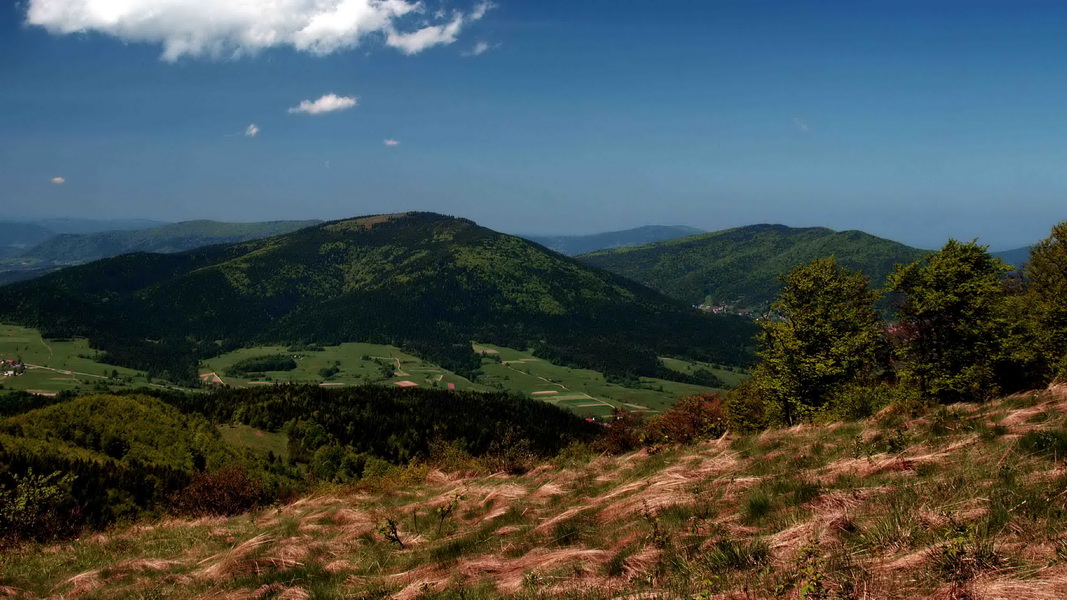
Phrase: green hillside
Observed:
(741, 267)
(421, 281)
(580, 244)
(74, 248)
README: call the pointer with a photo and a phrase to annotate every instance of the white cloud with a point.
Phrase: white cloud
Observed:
(480, 10)
(58, 180)
(421, 39)
(229, 28)
(801, 125)
(391, 143)
(328, 103)
(251, 130)
(479, 49)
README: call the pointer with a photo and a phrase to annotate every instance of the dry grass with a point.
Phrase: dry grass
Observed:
(808, 508)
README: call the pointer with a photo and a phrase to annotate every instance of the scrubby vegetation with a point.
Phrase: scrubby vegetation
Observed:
(960, 502)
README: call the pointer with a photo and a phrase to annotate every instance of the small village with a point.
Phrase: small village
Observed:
(11, 367)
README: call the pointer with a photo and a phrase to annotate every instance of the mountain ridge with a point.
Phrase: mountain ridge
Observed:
(572, 245)
(741, 266)
(423, 281)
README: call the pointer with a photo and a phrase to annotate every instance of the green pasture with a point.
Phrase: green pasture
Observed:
(585, 392)
(59, 365)
(256, 440)
(358, 364)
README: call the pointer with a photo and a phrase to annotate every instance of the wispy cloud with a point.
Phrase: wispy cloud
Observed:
(413, 42)
(391, 142)
(231, 28)
(58, 180)
(325, 104)
(480, 48)
(801, 125)
(251, 130)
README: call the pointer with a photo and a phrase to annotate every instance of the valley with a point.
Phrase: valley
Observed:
(69, 365)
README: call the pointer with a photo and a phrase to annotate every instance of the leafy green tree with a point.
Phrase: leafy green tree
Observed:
(953, 323)
(829, 335)
(1047, 292)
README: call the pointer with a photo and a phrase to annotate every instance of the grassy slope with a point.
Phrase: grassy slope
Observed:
(952, 505)
(742, 266)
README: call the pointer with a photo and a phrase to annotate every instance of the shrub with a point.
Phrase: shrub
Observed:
(623, 433)
(38, 508)
(860, 401)
(224, 492)
(1045, 443)
(692, 419)
(746, 408)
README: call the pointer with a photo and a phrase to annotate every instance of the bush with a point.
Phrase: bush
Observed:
(622, 434)
(860, 401)
(228, 491)
(38, 508)
(692, 419)
(746, 408)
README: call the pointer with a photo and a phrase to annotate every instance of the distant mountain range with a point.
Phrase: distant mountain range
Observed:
(423, 281)
(1016, 258)
(580, 244)
(67, 249)
(29, 250)
(741, 267)
(18, 236)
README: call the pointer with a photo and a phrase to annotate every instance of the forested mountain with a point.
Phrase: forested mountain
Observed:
(580, 244)
(74, 248)
(422, 281)
(1016, 257)
(742, 266)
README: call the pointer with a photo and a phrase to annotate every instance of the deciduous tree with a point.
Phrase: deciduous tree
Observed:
(828, 336)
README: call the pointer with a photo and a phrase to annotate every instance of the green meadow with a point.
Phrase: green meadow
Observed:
(60, 365)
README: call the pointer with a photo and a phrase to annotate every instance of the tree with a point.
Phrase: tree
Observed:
(829, 336)
(1046, 275)
(952, 327)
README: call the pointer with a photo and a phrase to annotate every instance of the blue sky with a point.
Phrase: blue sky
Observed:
(914, 120)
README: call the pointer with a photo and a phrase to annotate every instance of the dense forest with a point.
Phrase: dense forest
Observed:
(422, 281)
